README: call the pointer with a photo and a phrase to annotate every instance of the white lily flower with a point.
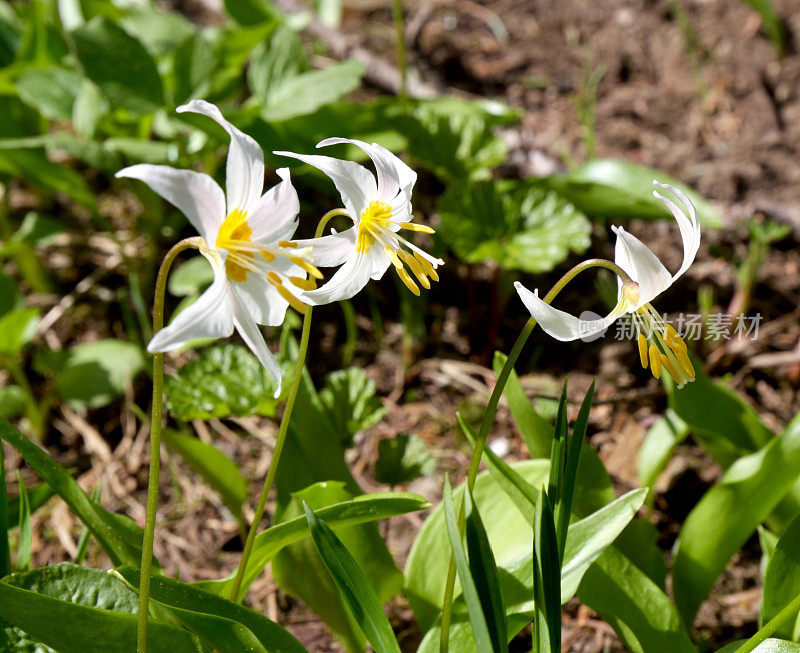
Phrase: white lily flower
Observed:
(379, 210)
(246, 238)
(660, 345)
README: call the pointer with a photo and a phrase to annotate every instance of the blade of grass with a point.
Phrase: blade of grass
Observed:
(25, 532)
(5, 552)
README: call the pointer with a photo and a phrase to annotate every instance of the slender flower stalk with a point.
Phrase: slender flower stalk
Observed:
(282, 431)
(768, 629)
(488, 418)
(155, 441)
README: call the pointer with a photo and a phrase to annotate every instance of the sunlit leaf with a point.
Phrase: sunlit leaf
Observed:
(782, 579)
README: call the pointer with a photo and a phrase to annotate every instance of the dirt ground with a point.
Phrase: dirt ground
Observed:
(692, 87)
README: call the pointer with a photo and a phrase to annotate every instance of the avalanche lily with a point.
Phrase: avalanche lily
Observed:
(660, 345)
(379, 209)
(258, 270)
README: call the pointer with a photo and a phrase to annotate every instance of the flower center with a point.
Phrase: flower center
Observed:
(661, 347)
(232, 234)
(373, 221)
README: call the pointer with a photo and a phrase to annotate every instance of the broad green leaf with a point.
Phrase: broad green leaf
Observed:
(9, 294)
(348, 398)
(159, 31)
(659, 443)
(91, 152)
(90, 106)
(636, 608)
(402, 459)
(277, 59)
(107, 531)
(353, 585)
(729, 513)
(477, 619)
(73, 627)
(190, 277)
(12, 401)
(229, 627)
(120, 65)
(619, 190)
(52, 90)
(25, 547)
(516, 224)
(359, 510)
(193, 64)
(93, 374)
(252, 12)
(219, 471)
(224, 380)
(17, 328)
(782, 579)
(767, 646)
(306, 92)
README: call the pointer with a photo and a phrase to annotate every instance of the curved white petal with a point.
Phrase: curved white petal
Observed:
(244, 176)
(688, 224)
(334, 249)
(354, 182)
(560, 325)
(261, 299)
(380, 262)
(346, 282)
(274, 217)
(633, 256)
(393, 174)
(252, 337)
(210, 316)
(195, 194)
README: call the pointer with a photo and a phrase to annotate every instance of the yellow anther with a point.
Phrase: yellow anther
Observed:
(232, 231)
(393, 257)
(311, 269)
(268, 256)
(373, 220)
(655, 361)
(287, 243)
(426, 266)
(685, 362)
(642, 350)
(406, 279)
(295, 303)
(667, 363)
(274, 278)
(303, 284)
(413, 226)
(416, 268)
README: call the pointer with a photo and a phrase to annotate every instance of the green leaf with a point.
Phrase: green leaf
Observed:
(515, 224)
(224, 380)
(25, 547)
(5, 526)
(545, 561)
(120, 65)
(359, 510)
(767, 646)
(219, 471)
(93, 374)
(193, 68)
(76, 601)
(89, 107)
(307, 92)
(159, 31)
(659, 443)
(348, 398)
(402, 459)
(477, 619)
(190, 278)
(12, 401)
(229, 627)
(252, 12)
(37, 497)
(354, 586)
(107, 530)
(274, 61)
(782, 579)
(483, 570)
(17, 329)
(619, 190)
(728, 514)
(52, 90)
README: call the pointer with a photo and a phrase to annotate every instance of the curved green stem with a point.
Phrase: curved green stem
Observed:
(488, 418)
(771, 626)
(155, 441)
(282, 431)
(400, 48)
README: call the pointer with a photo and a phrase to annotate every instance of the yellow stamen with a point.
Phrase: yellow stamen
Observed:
(413, 226)
(287, 243)
(295, 303)
(642, 350)
(684, 361)
(393, 256)
(234, 228)
(670, 368)
(269, 256)
(274, 278)
(374, 219)
(426, 266)
(406, 279)
(416, 268)
(303, 284)
(311, 269)
(655, 361)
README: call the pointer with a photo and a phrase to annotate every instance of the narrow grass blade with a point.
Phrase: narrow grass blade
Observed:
(25, 546)
(546, 579)
(353, 584)
(5, 552)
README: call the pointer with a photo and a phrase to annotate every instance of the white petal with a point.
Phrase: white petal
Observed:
(560, 325)
(393, 174)
(274, 218)
(346, 282)
(334, 249)
(633, 256)
(259, 296)
(688, 224)
(354, 182)
(195, 194)
(244, 176)
(252, 337)
(210, 316)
